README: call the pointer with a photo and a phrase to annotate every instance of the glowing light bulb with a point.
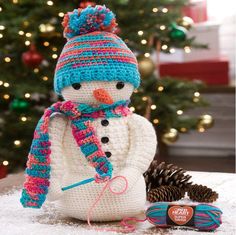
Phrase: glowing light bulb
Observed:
(23, 119)
(155, 9)
(15, 1)
(6, 96)
(45, 78)
(46, 44)
(6, 84)
(144, 98)
(54, 49)
(132, 109)
(160, 88)
(27, 95)
(162, 27)
(144, 41)
(1, 35)
(140, 32)
(164, 47)
(201, 129)
(164, 10)
(153, 107)
(195, 99)
(50, 3)
(61, 14)
(187, 49)
(172, 50)
(17, 142)
(54, 56)
(155, 121)
(2, 27)
(5, 163)
(0, 9)
(1, 83)
(21, 32)
(147, 54)
(179, 112)
(183, 129)
(27, 43)
(7, 59)
(28, 35)
(196, 94)
(36, 70)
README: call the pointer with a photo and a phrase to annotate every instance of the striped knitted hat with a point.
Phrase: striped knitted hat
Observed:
(93, 52)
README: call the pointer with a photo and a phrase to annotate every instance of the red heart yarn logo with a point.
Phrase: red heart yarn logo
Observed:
(180, 215)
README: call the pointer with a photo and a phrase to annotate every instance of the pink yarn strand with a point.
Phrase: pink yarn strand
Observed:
(127, 227)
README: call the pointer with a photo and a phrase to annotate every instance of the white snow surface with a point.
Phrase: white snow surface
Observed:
(16, 220)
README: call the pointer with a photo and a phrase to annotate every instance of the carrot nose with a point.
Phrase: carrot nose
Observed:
(102, 96)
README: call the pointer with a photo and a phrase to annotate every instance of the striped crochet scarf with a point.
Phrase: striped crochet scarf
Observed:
(81, 117)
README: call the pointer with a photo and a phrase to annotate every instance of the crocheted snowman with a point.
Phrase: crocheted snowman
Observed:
(93, 128)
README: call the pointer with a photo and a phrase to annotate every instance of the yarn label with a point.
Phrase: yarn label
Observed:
(180, 215)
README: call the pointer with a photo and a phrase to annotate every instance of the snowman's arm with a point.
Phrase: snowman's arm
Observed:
(143, 144)
(56, 134)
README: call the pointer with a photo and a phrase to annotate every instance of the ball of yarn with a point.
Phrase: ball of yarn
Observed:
(206, 217)
(83, 21)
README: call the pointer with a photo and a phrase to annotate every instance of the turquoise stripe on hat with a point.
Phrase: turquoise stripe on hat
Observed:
(96, 56)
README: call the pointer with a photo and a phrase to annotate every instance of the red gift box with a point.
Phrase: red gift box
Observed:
(212, 72)
(3, 171)
(197, 10)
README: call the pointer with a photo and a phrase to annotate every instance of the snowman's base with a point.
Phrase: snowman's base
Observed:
(15, 220)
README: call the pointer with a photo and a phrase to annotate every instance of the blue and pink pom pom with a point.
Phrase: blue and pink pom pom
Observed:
(88, 20)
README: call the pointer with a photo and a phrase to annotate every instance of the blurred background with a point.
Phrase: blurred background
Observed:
(186, 55)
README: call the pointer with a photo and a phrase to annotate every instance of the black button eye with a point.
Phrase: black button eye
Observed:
(120, 85)
(76, 86)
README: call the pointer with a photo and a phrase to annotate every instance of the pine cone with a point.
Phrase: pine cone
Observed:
(201, 193)
(165, 193)
(166, 174)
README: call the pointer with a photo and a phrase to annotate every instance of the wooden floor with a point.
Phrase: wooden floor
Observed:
(210, 164)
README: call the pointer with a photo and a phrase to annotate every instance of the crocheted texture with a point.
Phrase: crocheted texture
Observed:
(132, 145)
(86, 92)
(90, 19)
(95, 56)
(102, 96)
(81, 116)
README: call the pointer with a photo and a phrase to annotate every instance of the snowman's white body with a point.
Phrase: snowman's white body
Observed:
(132, 143)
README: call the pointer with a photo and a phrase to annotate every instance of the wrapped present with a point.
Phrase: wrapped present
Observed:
(3, 171)
(197, 10)
(205, 33)
(212, 72)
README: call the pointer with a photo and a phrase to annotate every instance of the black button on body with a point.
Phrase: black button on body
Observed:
(108, 154)
(105, 140)
(105, 122)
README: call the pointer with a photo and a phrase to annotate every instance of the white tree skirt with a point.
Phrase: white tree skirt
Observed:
(15, 220)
